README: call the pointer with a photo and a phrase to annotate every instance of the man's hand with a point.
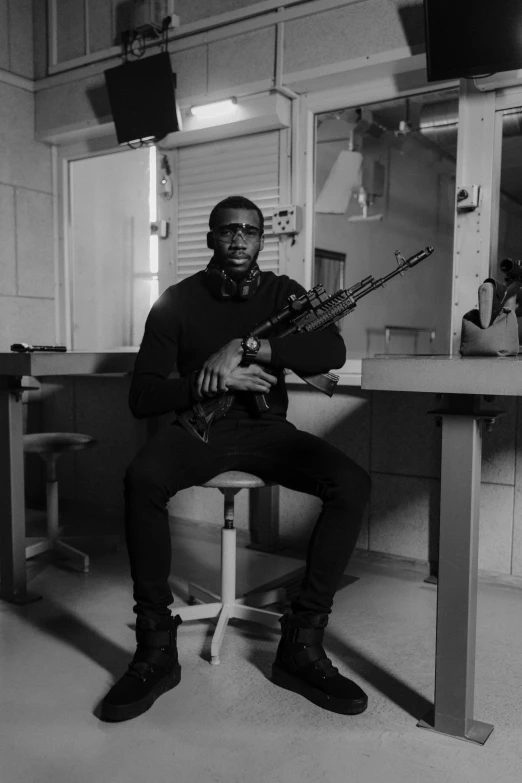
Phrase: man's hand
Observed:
(252, 378)
(212, 378)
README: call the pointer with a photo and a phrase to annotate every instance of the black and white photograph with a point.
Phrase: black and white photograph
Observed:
(260, 391)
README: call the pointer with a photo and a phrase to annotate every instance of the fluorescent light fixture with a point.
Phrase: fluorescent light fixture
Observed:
(217, 109)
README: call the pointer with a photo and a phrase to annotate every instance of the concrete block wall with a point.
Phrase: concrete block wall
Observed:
(405, 469)
(206, 64)
(91, 481)
(393, 436)
(26, 200)
(26, 210)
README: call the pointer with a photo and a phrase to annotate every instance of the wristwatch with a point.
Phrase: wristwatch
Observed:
(250, 345)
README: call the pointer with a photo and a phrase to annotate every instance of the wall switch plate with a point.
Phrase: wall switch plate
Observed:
(287, 220)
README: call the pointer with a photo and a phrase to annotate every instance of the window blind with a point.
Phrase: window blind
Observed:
(246, 166)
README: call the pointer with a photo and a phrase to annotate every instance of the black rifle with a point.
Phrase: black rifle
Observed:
(310, 312)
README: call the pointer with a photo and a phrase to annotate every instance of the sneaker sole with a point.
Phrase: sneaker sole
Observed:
(112, 712)
(341, 706)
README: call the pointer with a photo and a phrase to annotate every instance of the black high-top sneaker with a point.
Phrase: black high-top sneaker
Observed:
(154, 670)
(301, 665)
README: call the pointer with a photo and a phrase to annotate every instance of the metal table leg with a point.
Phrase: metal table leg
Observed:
(13, 580)
(457, 582)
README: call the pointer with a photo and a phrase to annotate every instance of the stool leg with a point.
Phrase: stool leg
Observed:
(228, 573)
(228, 550)
(51, 488)
(228, 565)
(53, 529)
(74, 554)
(196, 594)
(218, 636)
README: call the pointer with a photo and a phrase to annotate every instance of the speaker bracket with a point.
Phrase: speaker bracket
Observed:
(160, 228)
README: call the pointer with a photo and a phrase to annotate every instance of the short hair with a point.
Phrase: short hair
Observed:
(235, 202)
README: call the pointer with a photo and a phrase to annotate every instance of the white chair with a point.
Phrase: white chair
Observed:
(226, 606)
(49, 446)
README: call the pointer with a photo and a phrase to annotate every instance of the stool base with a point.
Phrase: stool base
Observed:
(57, 545)
(209, 605)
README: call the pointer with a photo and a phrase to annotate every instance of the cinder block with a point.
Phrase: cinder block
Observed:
(241, 59)
(402, 511)
(496, 525)
(404, 438)
(35, 243)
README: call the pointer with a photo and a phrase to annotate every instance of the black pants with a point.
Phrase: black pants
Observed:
(269, 447)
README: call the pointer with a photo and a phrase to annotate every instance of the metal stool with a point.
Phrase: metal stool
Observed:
(49, 446)
(226, 606)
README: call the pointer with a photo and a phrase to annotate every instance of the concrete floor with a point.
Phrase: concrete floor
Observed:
(229, 723)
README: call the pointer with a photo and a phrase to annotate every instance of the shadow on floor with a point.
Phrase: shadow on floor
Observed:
(59, 622)
(382, 679)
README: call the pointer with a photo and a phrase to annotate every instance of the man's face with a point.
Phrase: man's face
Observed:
(237, 240)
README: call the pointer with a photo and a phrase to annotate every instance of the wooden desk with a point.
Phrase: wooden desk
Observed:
(464, 382)
(13, 368)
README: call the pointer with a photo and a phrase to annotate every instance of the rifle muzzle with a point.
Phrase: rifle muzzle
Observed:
(420, 256)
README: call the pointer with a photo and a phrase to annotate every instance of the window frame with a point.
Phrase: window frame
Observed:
(62, 157)
(476, 162)
(106, 144)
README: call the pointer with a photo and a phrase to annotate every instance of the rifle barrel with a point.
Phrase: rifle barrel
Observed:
(401, 268)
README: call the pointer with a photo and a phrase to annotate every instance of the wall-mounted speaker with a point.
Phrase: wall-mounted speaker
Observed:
(472, 38)
(142, 97)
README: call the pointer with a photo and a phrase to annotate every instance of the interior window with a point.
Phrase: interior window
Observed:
(385, 181)
(113, 257)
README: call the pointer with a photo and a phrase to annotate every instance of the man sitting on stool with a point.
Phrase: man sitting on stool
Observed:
(200, 326)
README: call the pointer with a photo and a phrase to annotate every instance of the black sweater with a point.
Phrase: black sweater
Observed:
(187, 324)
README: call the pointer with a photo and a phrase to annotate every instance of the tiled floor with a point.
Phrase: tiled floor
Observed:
(229, 722)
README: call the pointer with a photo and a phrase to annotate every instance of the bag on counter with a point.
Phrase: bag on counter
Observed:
(500, 338)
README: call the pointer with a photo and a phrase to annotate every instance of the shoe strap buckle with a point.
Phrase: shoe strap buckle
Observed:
(307, 636)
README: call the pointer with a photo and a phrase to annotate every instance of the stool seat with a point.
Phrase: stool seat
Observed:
(56, 442)
(237, 479)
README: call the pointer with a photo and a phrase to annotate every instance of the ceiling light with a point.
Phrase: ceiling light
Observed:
(218, 109)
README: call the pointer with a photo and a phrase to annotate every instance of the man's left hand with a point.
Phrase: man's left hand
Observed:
(212, 377)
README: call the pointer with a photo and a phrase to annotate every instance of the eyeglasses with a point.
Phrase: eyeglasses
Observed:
(230, 231)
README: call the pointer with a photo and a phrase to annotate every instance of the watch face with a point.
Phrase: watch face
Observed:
(252, 343)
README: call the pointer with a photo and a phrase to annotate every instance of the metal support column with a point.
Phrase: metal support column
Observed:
(13, 580)
(462, 422)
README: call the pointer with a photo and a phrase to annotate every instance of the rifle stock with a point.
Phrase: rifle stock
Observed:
(323, 382)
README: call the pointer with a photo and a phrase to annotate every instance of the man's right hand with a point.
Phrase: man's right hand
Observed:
(253, 378)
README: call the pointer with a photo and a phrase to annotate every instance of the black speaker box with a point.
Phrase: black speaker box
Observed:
(142, 97)
(472, 38)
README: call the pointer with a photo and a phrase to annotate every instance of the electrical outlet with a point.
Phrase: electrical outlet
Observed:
(468, 197)
(287, 220)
